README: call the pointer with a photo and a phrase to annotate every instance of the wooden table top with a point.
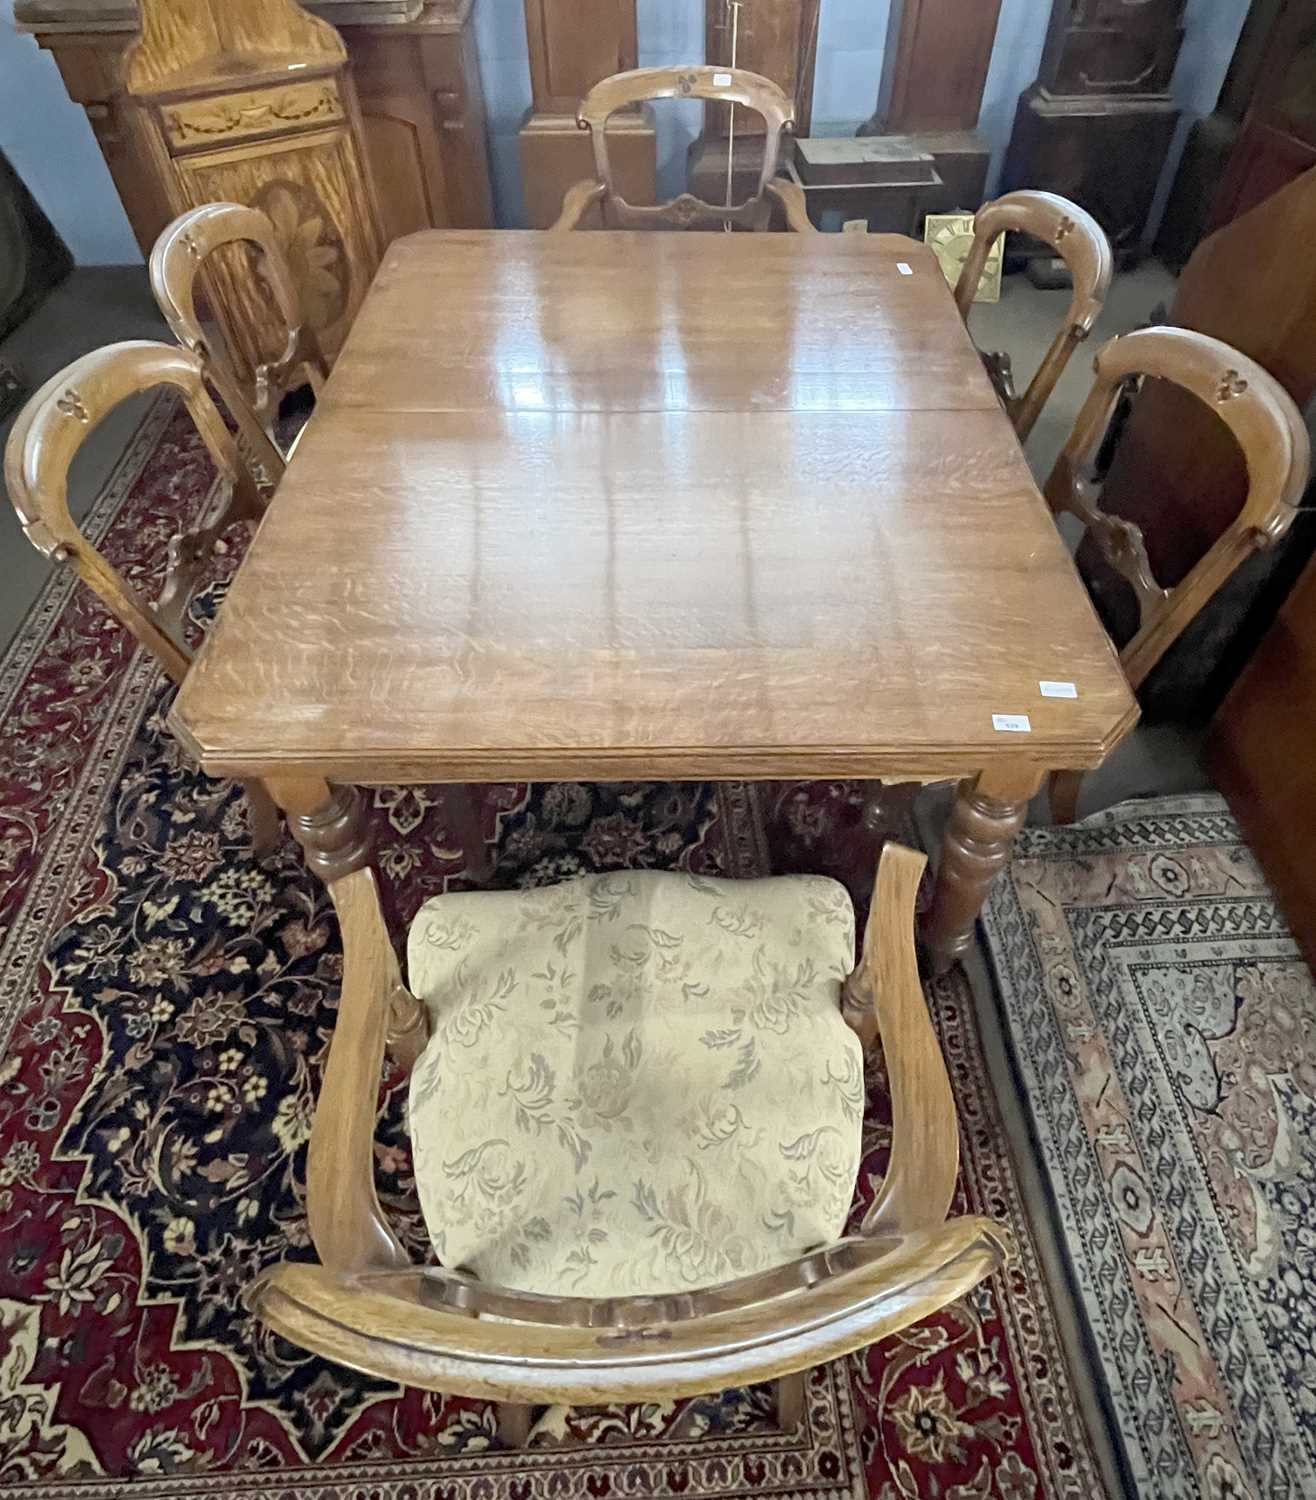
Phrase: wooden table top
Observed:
(627, 505)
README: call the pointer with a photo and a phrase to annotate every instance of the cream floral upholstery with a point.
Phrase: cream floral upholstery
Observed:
(635, 1083)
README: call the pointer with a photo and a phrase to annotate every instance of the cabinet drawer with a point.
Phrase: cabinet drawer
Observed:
(193, 123)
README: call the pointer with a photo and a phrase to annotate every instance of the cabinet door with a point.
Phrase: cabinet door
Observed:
(314, 194)
(1278, 139)
(401, 132)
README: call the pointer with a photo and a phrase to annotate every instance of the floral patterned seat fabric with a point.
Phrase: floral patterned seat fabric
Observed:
(635, 1083)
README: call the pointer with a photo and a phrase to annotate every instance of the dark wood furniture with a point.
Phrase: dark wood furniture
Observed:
(416, 78)
(1096, 124)
(930, 94)
(573, 45)
(1277, 141)
(1260, 753)
(658, 505)
(1176, 472)
(885, 182)
(33, 258)
(1212, 138)
(775, 38)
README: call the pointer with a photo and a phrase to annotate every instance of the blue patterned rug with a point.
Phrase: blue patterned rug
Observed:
(1163, 1024)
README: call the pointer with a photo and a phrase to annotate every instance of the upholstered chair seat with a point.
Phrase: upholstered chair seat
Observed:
(637, 1083)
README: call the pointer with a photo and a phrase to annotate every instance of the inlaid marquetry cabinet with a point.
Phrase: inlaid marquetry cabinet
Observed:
(414, 68)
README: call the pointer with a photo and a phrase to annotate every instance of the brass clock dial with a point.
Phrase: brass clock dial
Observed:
(950, 238)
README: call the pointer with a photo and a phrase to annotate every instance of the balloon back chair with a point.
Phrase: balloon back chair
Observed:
(1080, 242)
(1273, 437)
(176, 260)
(42, 444)
(597, 199)
(636, 1128)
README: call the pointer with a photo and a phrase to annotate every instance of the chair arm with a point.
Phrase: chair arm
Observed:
(397, 1325)
(577, 199)
(348, 1226)
(920, 1179)
(791, 197)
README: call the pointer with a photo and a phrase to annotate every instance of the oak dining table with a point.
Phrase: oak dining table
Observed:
(626, 506)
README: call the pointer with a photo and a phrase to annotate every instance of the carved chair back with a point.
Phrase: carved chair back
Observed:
(1080, 242)
(725, 85)
(42, 445)
(367, 1306)
(176, 260)
(1273, 438)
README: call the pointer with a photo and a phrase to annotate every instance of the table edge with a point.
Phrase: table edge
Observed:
(425, 765)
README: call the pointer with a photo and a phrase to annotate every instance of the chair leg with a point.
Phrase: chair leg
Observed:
(514, 1424)
(791, 1396)
(888, 804)
(461, 811)
(408, 1028)
(1062, 794)
(263, 816)
(857, 1009)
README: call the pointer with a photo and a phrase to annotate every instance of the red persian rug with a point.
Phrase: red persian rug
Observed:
(165, 1005)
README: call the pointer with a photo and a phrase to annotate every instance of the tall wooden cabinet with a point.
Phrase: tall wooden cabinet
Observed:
(413, 62)
(1277, 141)
(250, 101)
(1213, 137)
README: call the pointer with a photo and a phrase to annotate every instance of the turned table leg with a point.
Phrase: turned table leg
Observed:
(461, 811)
(327, 821)
(987, 814)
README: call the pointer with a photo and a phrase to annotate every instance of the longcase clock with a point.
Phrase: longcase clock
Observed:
(1097, 123)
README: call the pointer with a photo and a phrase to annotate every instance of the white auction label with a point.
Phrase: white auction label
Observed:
(904, 269)
(721, 80)
(1057, 689)
(1012, 723)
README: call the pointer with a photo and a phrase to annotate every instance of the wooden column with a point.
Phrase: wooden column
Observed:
(573, 44)
(777, 38)
(930, 96)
